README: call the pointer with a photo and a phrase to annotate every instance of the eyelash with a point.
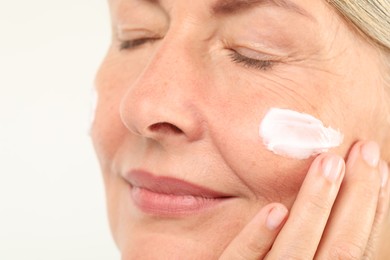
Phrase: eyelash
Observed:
(128, 45)
(235, 56)
(251, 63)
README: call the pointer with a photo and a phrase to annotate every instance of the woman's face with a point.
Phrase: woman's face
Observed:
(182, 91)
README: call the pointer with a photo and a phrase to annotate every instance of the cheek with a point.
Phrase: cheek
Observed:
(108, 135)
(107, 130)
(106, 140)
(235, 129)
(234, 118)
(360, 117)
(267, 177)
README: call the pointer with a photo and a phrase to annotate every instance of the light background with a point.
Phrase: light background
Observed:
(52, 204)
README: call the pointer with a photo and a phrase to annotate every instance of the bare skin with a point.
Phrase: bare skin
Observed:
(182, 91)
(324, 215)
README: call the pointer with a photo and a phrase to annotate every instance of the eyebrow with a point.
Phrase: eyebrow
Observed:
(228, 7)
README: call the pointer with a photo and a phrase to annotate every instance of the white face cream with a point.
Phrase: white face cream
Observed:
(297, 135)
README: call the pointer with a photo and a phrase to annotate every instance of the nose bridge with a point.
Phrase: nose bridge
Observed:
(164, 93)
(169, 70)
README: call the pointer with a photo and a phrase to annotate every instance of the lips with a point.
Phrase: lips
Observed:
(167, 196)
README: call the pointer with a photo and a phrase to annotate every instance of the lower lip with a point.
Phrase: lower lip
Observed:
(170, 205)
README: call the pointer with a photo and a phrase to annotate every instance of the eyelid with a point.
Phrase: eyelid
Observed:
(253, 54)
(132, 44)
(260, 64)
(261, 45)
(125, 33)
(131, 38)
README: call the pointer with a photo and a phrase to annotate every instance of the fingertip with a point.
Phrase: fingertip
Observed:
(370, 152)
(276, 217)
(256, 238)
(332, 167)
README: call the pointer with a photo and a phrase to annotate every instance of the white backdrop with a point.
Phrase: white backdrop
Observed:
(52, 204)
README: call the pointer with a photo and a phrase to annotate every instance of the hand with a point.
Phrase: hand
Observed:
(328, 220)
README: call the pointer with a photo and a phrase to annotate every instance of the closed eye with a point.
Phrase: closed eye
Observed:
(235, 56)
(132, 44)
(251, 63)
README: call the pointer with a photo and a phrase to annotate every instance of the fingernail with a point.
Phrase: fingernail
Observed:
(371, 153)
(332, 167)
(384, 169)
(276, 217)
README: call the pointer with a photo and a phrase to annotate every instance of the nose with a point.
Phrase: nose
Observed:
(162, 104)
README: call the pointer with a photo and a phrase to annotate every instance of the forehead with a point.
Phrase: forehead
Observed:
(219, 8)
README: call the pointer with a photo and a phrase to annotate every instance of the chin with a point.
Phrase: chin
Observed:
(204, 235)
(155, 247)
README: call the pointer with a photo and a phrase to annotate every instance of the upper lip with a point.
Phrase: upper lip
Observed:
(170, 185)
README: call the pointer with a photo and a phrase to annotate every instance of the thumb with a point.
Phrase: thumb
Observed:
(257, 237)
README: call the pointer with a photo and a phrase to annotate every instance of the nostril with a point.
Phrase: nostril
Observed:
(165, 128)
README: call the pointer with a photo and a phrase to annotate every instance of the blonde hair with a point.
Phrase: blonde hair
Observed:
(372, 19)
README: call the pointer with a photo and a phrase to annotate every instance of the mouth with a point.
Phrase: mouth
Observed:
(167, 196)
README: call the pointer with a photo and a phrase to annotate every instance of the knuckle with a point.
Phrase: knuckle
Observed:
(369, 252)
(346, 251)
(369, 192)
(252, 248)
(371, 181)
(292, 253)
(319, 203)
(245, 253)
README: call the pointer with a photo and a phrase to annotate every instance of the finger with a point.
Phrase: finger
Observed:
(381, 215)
(300, 236)
(255, 240)
(352, 218)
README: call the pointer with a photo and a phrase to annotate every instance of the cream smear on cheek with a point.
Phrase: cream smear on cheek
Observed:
(297, 135)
